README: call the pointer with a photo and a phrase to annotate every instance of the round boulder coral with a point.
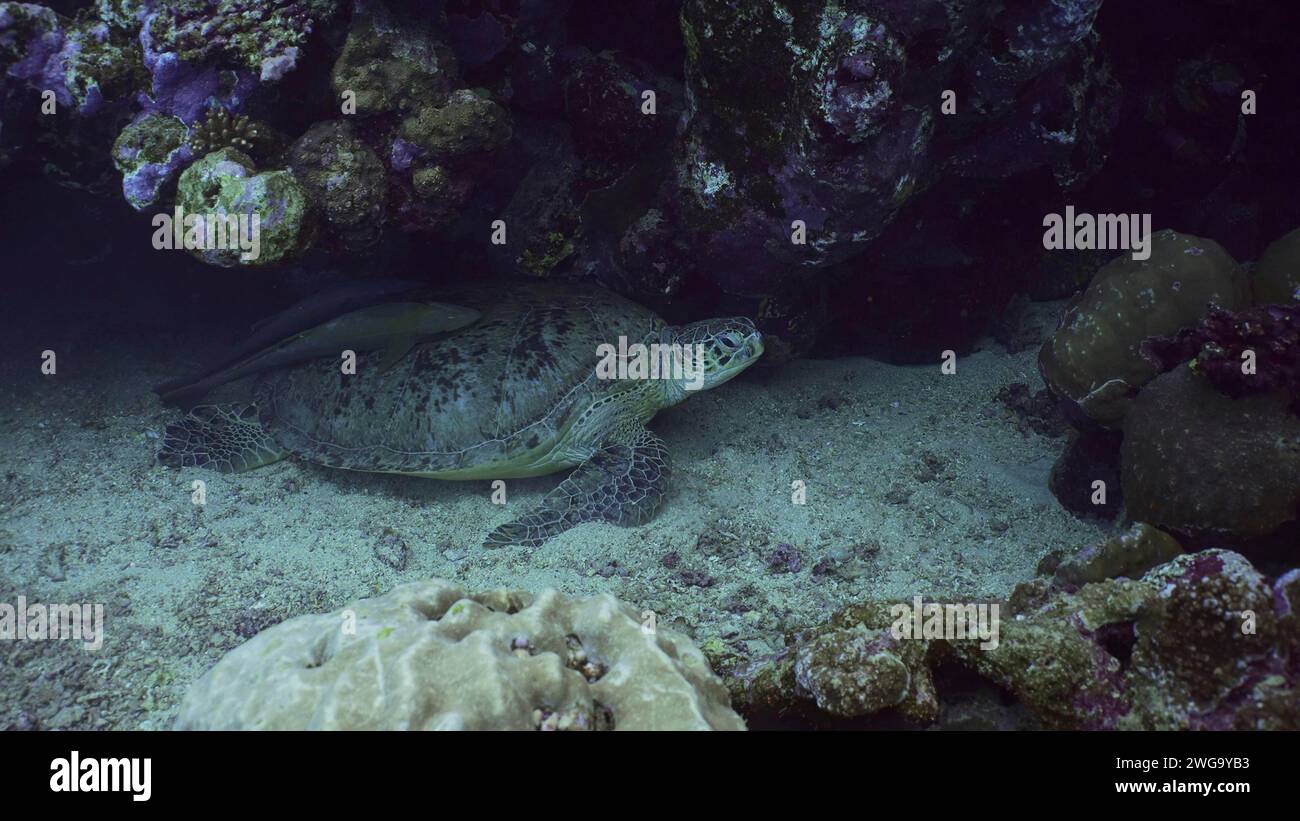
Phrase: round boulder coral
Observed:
(148, 152)
(1200, 462)
(430, 656)
(1094, 358)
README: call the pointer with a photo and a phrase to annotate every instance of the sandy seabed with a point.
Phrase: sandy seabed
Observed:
(916, 482)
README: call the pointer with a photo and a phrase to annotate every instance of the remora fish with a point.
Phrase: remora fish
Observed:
(328, 303)
(394, 326)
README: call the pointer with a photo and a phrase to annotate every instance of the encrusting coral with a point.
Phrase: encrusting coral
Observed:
(428, 655)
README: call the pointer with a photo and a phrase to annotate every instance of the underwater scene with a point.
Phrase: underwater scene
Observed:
(649, 365)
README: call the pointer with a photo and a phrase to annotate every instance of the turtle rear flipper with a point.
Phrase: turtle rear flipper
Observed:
(621, 483)
(225, 438)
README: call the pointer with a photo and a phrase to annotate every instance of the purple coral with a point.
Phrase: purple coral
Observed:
(1218, 345)
(785, 559)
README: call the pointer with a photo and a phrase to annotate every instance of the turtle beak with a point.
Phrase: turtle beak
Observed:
(749, 352)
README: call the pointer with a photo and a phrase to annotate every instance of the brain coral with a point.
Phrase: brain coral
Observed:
(1094, 358)
(429, 656)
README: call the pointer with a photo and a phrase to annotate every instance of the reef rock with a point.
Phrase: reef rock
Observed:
(1090, 457)
(265, 36)
(1128, 554)
(1256, 350)
(850, 668)
(430, 656)
(86, 62)
(394, 63)
(466, 124)
(1202, 641)
(1197, 461)
(1094, 358)
(830, 113)
(226, 183)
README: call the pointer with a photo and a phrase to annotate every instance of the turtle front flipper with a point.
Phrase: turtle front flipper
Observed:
(225, 438)
(622, 483)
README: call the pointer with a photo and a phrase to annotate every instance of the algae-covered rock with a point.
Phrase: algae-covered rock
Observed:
(1058, 659)
(1094, 358)
(1276, 278)
(149, 152)
(466, 124)
(345, 181)
(1201, 641)
(393, 62)
(430, 656)
(1194, 644)
(86, 63)
(1241, 353)
(226, 183)
(266, 36)
(852, 667)
(1130, 554)
(1214, 617)
(1203, 463)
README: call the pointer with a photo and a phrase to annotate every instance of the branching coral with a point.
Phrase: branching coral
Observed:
(221, 130)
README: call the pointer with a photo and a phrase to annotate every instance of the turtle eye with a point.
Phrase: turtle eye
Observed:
(730, 340)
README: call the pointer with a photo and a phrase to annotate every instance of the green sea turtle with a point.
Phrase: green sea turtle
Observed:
(528, 389)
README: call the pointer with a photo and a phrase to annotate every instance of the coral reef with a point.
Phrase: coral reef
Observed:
(87, 63)
(1201, 641)
(264, 36)
(829, 114)
(852, 667)
(1093, 361)
(428, 655)
(433, 138)
(1197, 461)
(466, 124)
(393, 64)
(150, 152)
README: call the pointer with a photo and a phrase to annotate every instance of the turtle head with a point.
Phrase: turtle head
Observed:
(713, 351)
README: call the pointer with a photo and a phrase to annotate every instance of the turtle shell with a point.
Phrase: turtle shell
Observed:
(485, 401)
